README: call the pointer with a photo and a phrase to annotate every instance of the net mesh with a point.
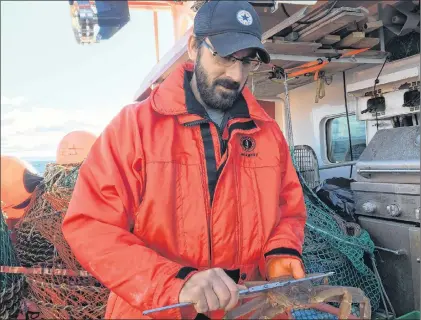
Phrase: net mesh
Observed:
(12, 286)
(332, 244)
(68, 297)
(40, 245)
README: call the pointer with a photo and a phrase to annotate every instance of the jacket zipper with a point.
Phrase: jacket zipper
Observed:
(222, 143)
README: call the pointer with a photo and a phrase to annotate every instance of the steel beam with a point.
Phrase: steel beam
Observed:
(338, 165)
(289, 57)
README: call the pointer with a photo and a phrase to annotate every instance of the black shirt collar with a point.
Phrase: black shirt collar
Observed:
(238, 110)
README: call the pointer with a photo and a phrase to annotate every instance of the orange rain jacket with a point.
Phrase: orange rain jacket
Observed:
(163, 195)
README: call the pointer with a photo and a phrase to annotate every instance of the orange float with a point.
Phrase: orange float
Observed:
(74, 147)
(18, 181)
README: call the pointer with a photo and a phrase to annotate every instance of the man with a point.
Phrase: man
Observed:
(191, 192)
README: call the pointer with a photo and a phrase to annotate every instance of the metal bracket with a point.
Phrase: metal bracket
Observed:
(275, 7)
(277, 73)
(399, 252)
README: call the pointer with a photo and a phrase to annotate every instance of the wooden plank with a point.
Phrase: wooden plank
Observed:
(285, 23)
(351, 39)
(317, 12)
(292, 47)
(321, 18)
(330, 39)
(278, 39)
(366, 43)
(371, 26)
(360, 25)
(330, 26)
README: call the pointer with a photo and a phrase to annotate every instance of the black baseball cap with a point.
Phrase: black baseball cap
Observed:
(230, 26)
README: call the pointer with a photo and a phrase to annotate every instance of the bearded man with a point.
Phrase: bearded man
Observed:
(191, 192)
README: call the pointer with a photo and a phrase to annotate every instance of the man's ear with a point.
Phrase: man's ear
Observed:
(191, 48)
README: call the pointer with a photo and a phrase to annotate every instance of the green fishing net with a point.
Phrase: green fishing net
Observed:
(332, 244)
(12, 286)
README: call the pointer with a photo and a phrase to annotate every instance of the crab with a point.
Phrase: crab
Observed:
(273, 303)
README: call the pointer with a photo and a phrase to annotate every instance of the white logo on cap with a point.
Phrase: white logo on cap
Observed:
(244, 17)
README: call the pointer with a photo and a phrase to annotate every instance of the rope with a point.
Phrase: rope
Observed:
(290, 137)
(10, 298)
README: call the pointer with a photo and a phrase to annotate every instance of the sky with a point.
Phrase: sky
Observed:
(51, 85)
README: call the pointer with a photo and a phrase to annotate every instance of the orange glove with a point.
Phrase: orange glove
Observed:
(285, 266)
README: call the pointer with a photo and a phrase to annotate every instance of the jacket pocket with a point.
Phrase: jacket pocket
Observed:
(259, 188)
(172, 217)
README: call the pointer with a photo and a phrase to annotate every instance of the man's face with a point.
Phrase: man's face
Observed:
(219, 86)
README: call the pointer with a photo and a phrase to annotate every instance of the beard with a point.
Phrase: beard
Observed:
(221, 100)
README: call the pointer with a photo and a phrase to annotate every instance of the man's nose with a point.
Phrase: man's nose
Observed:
(235, 72)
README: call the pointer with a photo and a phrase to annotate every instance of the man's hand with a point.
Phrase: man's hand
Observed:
(210, 290)
(285, 266)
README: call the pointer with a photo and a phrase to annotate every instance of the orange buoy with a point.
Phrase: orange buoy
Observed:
(18, 181)
(74, 147)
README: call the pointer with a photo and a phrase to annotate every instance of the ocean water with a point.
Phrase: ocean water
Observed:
(40, 165)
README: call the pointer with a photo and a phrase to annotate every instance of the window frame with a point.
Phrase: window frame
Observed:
(324, 131)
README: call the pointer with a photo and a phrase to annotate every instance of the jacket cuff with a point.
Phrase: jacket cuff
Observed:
(283, 251)
(184, 272)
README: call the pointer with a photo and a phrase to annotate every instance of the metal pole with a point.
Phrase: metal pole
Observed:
(338, 165)
(156, 31)
(347, 120)
(290, 57)
(381, 30)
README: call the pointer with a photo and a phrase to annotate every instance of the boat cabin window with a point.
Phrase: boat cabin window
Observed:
(337, 140)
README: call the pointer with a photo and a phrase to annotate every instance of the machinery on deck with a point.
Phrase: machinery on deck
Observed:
(387, 199)
(387, 187)
(93, 21)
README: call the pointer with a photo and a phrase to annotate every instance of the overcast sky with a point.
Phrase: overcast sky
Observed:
(51, 85)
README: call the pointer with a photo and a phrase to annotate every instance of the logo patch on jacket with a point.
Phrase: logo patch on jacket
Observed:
(248, 144)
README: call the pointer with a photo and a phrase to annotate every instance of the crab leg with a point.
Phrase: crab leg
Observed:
(246, 308)
(365, 308)
(272, 312)
(259, 313)
(357, 296)
(328, 294)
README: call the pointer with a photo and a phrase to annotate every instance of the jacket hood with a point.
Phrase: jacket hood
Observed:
(169, 97)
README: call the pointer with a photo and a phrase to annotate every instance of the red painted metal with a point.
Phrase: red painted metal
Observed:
(152, 4)
(269, 107)
(156, 32)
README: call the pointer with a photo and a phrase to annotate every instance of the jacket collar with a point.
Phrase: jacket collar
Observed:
(174, 97)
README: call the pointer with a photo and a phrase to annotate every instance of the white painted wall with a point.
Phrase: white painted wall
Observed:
(307, 116)
(280, 114)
